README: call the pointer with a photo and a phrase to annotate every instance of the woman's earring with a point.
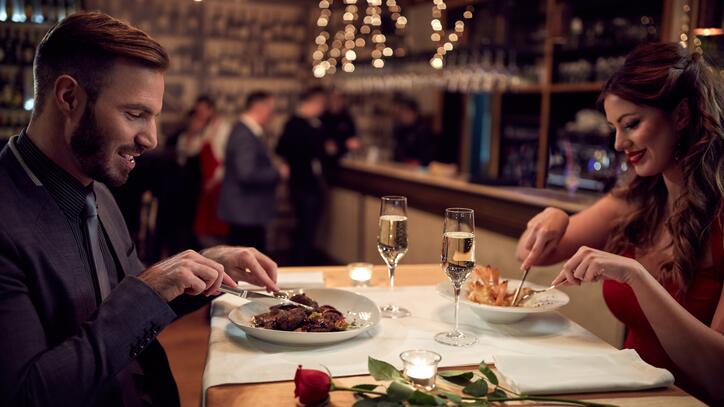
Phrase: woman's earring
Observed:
(678, 151)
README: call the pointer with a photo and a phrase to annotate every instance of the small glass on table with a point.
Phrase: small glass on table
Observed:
(392, 244)
(458, 261)
(420, 367)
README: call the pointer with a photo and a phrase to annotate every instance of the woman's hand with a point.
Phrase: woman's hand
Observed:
(590, 265)
(541, 236)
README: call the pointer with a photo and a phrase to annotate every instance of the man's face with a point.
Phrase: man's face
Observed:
(266, 109)
(203, 111)
(318, 104)
(120, 125)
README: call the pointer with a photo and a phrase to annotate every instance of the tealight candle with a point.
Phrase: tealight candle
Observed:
(420, 367)
(360, 273)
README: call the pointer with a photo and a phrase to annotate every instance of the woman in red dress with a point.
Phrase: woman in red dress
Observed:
(656, 240)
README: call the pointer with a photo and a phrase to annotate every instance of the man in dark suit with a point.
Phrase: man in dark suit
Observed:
(248, 191)
(303, 148)
(79, 313)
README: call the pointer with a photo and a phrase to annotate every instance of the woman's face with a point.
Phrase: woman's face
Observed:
(646, 134)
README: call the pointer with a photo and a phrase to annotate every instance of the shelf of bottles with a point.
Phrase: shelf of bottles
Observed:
(224, 49)
(251, 47)
(22, 25)
(596, 36)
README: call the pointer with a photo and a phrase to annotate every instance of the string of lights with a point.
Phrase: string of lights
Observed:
(445, 40)
(342, 48)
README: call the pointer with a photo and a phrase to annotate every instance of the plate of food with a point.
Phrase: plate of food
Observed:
(337, 315)
(490, 297)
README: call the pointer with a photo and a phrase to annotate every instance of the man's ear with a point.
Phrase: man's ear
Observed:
(69, 96)
(682, 115)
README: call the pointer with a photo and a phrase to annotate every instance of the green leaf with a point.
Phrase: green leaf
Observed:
(377, 402)
(457, 377)
(453, 397)
(419, 398)
(478, 403)
(366, 387)
(365, 403)
(478, 388)
(497, 394)
(389, 404)
(382, 370)
(485, 370)
(452, 374)
(399, 392)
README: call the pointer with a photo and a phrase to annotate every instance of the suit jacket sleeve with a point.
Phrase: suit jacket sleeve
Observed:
(34, 372)
(241, 157)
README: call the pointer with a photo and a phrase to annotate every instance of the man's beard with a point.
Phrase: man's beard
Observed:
(90, 144)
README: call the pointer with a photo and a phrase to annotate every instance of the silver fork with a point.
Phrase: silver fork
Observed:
(534, 292)
(363, 316)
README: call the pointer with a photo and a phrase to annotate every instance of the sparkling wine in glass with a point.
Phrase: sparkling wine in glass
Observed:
(392, 244)
(458, 261)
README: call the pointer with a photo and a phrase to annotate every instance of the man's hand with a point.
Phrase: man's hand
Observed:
(187, 272)
(246, 263)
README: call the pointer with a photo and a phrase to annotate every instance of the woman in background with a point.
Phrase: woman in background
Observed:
(656, 240)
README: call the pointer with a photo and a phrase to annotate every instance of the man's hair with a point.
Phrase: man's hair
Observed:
(85, 46)
(408, 103)
(256, 97)
(206, 99)
(312, 92)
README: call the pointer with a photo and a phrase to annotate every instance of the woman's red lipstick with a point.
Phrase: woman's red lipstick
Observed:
(635, 156)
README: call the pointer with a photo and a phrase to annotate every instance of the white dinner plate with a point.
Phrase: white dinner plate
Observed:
(344, 301)
(543, 302)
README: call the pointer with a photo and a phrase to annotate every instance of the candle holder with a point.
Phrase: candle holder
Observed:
(420, 367)
(360, 274)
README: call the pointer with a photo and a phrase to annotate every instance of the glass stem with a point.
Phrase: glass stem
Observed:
(456, 290)
(391, 273)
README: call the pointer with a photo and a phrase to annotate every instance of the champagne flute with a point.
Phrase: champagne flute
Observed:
(458, 261)
(392, 244)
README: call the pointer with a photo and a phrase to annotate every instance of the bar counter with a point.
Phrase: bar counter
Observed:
(504, 210)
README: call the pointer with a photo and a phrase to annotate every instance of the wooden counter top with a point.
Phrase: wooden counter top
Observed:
(502, 209)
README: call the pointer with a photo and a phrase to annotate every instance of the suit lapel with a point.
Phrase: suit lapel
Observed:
(62, 252)
(57, 246)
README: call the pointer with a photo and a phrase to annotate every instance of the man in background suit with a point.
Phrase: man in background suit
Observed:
(248, 190)
(79, 312)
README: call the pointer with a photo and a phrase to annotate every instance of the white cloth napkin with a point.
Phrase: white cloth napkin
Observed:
(293, 279)
(235, 358)
(583, 373)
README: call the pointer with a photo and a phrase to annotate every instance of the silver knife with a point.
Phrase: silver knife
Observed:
(520, 286)
(278, 295)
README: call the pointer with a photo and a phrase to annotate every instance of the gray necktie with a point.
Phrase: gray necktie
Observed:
(94, 236)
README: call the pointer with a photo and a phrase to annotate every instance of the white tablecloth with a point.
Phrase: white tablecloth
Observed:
(234, 358)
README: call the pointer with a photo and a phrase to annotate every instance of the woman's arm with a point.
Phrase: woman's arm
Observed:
(697, 349)
(551, 236)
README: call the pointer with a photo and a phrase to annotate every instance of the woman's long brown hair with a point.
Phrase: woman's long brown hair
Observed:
(663, 75)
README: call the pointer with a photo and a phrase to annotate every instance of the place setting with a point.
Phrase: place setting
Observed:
(471, 316)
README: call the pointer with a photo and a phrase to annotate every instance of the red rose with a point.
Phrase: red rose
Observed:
(311, 386)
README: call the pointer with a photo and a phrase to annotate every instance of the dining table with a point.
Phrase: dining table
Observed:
(281, 393)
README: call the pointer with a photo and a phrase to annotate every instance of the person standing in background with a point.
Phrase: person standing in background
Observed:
(339, 128)
(248, 191)
(414, 143)
(209, 229)
(302, 147)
